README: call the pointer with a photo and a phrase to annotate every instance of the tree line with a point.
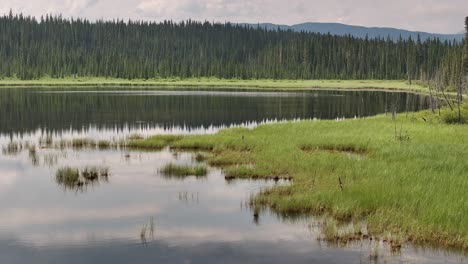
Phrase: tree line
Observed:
(53, 46)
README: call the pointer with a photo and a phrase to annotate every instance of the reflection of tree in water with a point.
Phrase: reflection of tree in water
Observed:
(26, 111)
(73, 179)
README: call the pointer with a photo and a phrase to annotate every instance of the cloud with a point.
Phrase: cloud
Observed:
(42, 7)
(200, 9)
(424, 15)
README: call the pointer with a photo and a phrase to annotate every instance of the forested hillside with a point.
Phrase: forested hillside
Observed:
(32, 48)
(360, 31)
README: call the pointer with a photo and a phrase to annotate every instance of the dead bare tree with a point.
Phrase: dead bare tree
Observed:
(431, 96)
(440, 86)
(459, 92)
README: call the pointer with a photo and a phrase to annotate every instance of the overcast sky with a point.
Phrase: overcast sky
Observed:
(437, 16)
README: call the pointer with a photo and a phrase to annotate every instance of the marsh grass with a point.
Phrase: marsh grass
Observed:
(201, 157)
(230, 158)
(32, 149)
(135, 137)
(338, 148)
(33, 156)
(94, 173)
(76, 179)
(396, 241)
(83, 143)
(68, 177)
(181, 171)
(104, 144)
(153, 143)
(330, 229)
(445, 115)
(411, 188)
(342, 232)
(12, 148)
(248, 171)
(143, 234)
(62, 144)
(374, 253)
(90, 173)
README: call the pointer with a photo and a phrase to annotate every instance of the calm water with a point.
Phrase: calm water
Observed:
(137, 215)
(108, 112)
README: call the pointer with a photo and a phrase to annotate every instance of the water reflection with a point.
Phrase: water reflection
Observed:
(27, 111)
(141, 215)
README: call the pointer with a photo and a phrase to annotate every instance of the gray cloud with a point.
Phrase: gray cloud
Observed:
(424, 15)
(91, 3)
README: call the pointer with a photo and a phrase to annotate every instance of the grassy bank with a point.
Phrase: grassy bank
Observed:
(411, 182)
(214, 82)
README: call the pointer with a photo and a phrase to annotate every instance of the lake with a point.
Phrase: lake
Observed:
(109, 111)
(137, 214)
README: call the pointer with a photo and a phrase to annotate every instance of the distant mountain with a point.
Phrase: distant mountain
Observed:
(358, 31)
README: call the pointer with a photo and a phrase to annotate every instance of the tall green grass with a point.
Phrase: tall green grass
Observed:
(156, 142)
(182, 171)
(67, 176)
(76, 179)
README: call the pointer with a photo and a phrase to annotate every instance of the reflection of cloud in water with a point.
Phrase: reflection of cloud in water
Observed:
(174, 235)
(249, 251)
(20, 218)
(136, 192)
(10, 170)
(7, 179)
(202, 246)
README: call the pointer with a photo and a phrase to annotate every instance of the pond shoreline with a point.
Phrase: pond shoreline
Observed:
(197, 83)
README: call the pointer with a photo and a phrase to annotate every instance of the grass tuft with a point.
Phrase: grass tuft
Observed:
(68, 176)
(74, 179)
(181, 171)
